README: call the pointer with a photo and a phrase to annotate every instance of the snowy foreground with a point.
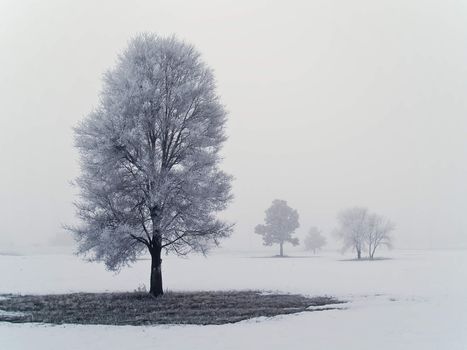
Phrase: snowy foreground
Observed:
(416, 300)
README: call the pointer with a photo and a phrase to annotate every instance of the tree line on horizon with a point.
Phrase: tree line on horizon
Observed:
(358, 230)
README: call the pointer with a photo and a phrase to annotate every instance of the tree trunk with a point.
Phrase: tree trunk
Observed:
(359, 254)
(373, 252)
(156, 273)
(282, 249)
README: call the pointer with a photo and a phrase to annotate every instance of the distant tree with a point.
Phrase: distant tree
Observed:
(150, 178)
(352, 229)
(280, 223)
(314, 241)
(378, 233)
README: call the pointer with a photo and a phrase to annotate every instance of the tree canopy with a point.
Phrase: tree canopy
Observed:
(281, 221)
(149, 154)
(314, 241)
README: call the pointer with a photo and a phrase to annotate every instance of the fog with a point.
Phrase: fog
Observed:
(331, 104)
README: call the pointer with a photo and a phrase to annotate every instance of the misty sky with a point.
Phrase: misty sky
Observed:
(332, 104)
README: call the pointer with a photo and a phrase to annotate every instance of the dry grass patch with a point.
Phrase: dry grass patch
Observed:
(201, 308)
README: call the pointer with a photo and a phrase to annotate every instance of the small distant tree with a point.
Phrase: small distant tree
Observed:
(378, 233)
(359, 228)
(314, 241)
(280, 223)
(352, 229)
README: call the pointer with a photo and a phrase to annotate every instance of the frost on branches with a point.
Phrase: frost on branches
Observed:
(359, 229)
(149, 154)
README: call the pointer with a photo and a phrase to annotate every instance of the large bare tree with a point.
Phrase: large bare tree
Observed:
(150, 177)
(280, 223)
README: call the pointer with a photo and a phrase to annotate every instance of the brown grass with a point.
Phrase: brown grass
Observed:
(200, 308)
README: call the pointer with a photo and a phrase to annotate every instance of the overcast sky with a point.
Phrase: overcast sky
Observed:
(332, 104)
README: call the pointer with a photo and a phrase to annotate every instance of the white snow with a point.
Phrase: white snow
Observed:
(415, 300)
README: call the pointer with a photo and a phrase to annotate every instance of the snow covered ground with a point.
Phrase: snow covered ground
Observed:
(415, 300)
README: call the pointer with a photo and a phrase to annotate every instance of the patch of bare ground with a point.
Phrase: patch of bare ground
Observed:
(201, 308)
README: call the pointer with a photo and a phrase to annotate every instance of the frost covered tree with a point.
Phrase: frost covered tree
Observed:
(149, 154)
(280, 223)
(314, 241)
(378, 233)
(359, 228)
(352, 229)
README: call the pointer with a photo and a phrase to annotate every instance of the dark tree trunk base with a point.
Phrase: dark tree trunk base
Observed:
(156, 273)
